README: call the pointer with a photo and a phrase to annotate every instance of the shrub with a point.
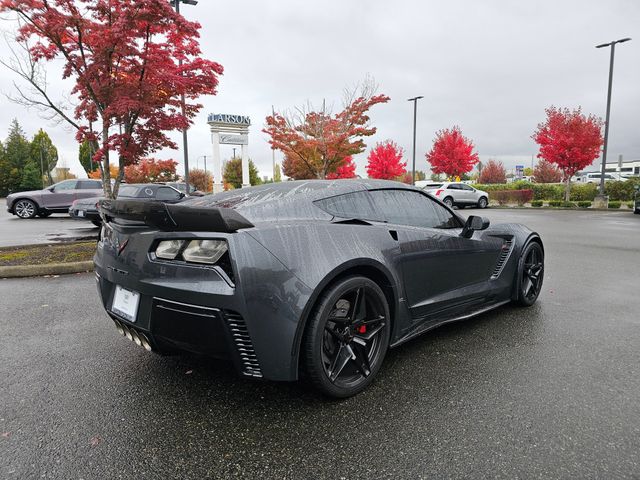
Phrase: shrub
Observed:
(536, 203)
(584, 204)
(630, 205)
(555, 203)
(568, 204)
(583, 191)
(621, 191)
(614, 204)
(512, 196)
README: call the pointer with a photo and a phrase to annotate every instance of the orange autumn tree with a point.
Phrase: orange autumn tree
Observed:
(316, 143)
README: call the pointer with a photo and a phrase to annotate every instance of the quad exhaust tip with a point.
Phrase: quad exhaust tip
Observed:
(138, 338)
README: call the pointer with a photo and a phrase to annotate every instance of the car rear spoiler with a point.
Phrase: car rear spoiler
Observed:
(170, 217)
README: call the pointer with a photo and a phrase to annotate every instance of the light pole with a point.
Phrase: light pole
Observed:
(606, 125)
(415, 111)
(176, 5)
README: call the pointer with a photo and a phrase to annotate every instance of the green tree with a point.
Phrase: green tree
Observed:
(31, 177)
(85, 153)
(16, 156)
(277, 175)
(233, 173)
(44, 154)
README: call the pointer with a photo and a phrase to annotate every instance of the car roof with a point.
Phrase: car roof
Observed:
(289, 200)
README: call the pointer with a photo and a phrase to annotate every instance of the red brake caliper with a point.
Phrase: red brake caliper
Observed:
(362, 329)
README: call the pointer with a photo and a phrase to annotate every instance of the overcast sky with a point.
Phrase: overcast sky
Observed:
(491, 67)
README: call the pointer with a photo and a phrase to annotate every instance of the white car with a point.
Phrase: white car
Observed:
(457, 194)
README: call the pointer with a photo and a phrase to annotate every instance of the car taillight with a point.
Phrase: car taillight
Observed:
(438, 192)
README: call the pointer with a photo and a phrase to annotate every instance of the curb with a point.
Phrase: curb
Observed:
(574, 209)
(16, 271)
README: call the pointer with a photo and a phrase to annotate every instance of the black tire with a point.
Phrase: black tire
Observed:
(347, 337)
(44, 214)
(483, 202)
(530, 274)
(448, 201)
(25, 208)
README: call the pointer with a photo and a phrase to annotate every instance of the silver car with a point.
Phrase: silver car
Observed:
(457, 194)
(54, 199)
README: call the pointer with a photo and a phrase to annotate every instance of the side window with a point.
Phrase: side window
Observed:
(167, 193)
(89, 184)
(66, 185)
(407, 207)
(453, 186)
(466, 187)
(349, 205)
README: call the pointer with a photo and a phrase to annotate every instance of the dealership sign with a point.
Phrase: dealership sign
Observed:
(227, 119)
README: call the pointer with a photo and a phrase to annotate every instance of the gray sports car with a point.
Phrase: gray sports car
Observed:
(314, 279)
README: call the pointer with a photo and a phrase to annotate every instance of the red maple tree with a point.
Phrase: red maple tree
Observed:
(385, 161)
(546, 172)
(125, 59)
(493, 172)
(316, 143)
(570, 140)
(151, 170)
(346, 170)
(452, 153)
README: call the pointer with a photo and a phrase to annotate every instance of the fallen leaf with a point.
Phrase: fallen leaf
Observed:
(188, 372)
(94, 441)
(5, 434)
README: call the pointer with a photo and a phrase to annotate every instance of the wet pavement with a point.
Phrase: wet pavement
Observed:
(57, 228)
(546, 392)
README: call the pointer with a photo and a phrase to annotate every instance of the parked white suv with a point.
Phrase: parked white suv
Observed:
(457, 194)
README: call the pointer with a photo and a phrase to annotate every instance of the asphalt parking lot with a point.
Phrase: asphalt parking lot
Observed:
(548, 392)
(56, 228)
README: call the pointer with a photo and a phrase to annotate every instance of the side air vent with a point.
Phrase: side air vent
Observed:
(242, 340)
(507, 246)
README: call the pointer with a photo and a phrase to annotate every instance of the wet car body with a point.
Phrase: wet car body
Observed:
(287, 243)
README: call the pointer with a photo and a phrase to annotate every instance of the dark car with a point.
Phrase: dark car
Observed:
(636, 202)
(181, 186)
(87, 208)
(54, 199)
(306, 278)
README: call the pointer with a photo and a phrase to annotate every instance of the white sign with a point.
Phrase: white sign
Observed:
(229, 119)
(227, 139)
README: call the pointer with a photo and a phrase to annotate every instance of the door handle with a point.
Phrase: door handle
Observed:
(393, 234)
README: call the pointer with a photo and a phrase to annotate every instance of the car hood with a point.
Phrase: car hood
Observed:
(28, 193)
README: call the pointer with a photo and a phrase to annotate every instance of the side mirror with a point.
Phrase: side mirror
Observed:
(472, 224)
(637, 188)
(51, 189)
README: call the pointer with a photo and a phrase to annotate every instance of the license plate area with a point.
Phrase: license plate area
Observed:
(125, 303)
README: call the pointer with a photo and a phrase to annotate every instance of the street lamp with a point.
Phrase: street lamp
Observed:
(176, 4)
(606, 125)
(415, 111)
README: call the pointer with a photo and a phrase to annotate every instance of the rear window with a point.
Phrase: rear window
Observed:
(128, 191)
(432, 186)
(350, 205)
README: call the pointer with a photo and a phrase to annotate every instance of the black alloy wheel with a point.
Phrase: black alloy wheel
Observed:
(25, 208)
(347, 337)
(530, 274)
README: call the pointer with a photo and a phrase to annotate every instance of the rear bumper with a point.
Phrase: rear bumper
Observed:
(91, 215)
(172, 326)
(251, 319)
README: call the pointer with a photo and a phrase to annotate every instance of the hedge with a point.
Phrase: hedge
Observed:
(536, 203)
(584, 204)
(614, 204)
(512, 196)
(580, 192)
